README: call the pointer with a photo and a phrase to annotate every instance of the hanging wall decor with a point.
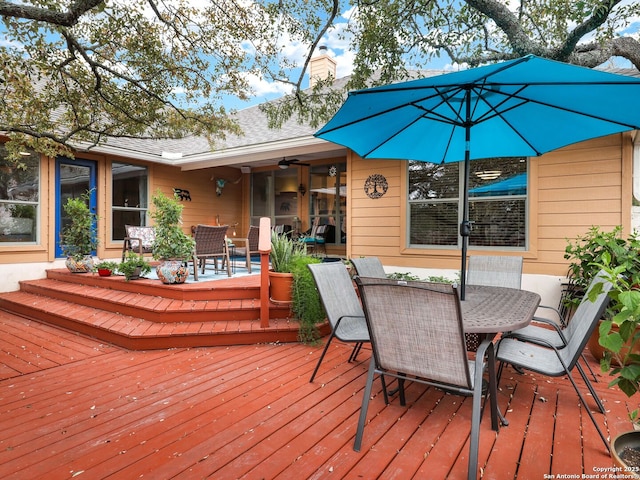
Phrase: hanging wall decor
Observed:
(375, 186)
(182, 194)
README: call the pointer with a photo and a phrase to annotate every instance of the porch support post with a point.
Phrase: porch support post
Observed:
(264, 247)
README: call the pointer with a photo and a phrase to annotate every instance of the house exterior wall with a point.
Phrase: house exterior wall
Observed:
(204, 207)
(569, 191)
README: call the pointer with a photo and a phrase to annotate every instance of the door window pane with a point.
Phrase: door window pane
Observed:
(328, 197)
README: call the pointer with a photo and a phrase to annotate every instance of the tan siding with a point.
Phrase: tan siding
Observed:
(205, 207)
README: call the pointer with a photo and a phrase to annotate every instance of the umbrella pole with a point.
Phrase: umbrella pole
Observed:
(465, 226)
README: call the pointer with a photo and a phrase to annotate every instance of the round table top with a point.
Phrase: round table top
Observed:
(497, 309)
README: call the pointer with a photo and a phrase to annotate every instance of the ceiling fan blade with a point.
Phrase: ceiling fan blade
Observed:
(294, 161)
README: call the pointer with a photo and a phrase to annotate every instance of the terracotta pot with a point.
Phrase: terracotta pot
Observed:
(280, 287)
(618, 444)
(104, 272)
(172, 271)
(84, 265)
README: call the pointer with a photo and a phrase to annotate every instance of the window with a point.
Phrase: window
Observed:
(129, 197)
(328, 200)
(497, 203)
(19, 199)
(274, 194)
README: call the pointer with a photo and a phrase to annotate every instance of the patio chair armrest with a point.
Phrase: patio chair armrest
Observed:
(546, 321)
(348, 316)
(128, 243)
(561, 318)
(534, 340)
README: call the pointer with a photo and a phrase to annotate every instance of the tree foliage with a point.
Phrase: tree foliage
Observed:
(76, 72)
(395, 38)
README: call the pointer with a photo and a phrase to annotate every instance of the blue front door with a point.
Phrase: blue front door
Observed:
(73, 178)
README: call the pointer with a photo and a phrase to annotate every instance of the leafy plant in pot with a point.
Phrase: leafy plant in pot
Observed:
(283, 251)
(172, 246)
(587, 254)
(306, 305)
(618, 335)
(79, 238)
(134, 266)
(621, 358)
(106, 267)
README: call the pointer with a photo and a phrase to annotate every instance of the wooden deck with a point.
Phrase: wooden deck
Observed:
(145, 314)
(73, 407)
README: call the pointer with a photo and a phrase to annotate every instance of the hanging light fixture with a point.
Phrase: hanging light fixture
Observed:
(489, 174)
(302, 189)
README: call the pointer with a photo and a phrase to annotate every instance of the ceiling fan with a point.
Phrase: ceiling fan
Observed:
(284, 164)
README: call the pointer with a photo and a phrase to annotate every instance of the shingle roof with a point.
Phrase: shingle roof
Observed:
(256, 133)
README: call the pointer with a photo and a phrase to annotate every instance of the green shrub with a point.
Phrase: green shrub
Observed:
(306, 306)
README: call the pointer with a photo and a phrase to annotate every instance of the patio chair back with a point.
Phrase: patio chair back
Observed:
(211, 244)
(411, 324)
(369, 267)
(585, 320)
(495, 271)
(139, 239)
(342, 306)
(417, 334)
(250, 245)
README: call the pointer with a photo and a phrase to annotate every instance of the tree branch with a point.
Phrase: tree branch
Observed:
(65, 19)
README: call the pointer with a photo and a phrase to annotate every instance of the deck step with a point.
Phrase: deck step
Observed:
(144, 314)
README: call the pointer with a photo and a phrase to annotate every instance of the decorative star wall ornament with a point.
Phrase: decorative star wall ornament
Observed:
(333, 171)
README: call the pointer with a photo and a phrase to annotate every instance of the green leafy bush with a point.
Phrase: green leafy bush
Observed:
(306, 306)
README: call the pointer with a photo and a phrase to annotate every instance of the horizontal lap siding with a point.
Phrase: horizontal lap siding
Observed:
(205, 207)
(578, 186)
(375, 223)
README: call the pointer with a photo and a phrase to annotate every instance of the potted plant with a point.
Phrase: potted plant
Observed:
(172, 246)
(134, 266)
(79, 237)
(106, 268)
(621, 357)
(588, 253)
(283, 251)
(617, 341)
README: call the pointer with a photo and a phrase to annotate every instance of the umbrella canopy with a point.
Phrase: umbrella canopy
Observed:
(520, 108)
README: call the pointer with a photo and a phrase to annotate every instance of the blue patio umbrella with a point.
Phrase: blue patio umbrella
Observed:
(519, 108)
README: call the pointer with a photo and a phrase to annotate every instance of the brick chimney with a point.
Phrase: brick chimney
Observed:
(321, 67)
